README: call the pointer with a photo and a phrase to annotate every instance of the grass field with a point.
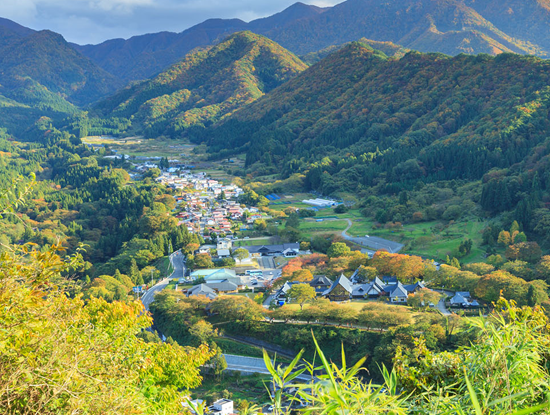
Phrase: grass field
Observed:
(248, 295)
(355, 304)
(434, 239)
(249, 242)
(142, 147)
(310, 228)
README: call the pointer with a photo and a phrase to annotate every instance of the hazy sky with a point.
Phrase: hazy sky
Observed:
(93, 21)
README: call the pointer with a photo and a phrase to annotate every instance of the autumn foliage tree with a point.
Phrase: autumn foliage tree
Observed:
(90, 348)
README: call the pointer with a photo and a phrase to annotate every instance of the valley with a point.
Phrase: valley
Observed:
(365, 187)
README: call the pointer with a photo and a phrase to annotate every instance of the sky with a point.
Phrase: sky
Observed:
(93, 21)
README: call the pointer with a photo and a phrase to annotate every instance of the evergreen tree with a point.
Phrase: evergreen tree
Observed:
(455, 263)
(134, 272)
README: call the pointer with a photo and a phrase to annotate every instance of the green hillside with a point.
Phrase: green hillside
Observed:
(206, 86)
(362, 123)
(42, 76)
(47, 58)
(389, 48)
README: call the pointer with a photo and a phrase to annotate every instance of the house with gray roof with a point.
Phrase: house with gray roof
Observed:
(399, 294)
(340, 290)
(463, 299)
(281, 293)
(412, 288)
(288, 250)
(202, 289)
(321, 283)
(222, 286)
(218, 274)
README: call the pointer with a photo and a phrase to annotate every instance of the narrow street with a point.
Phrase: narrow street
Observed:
(178, 263)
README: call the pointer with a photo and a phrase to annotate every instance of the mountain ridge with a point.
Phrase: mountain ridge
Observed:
(447, 26)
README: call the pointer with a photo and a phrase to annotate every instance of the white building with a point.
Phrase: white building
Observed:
(320, 202)
(222, 407)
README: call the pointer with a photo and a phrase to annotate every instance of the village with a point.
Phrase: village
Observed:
(211, 209)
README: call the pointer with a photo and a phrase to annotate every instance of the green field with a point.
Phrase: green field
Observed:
(249, 242)
(248, 295)
(310, 228)
(138, 146)
(434, 239)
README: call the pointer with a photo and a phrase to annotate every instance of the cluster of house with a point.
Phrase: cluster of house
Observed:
(342, 289)
(206, 216)
(210, 206)
(224, 247)
(198, 182)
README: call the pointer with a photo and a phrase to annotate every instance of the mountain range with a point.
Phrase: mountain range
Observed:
(160, 77)
(446, 26)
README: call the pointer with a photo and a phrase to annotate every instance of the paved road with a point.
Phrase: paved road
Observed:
(266, 262)
(252, 365)
(372, 242)
(441, 305)
(177, 261)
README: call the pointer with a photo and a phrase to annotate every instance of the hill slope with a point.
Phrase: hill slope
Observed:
(43, 76)
(206, 86)
(48, 59)
(379, 120)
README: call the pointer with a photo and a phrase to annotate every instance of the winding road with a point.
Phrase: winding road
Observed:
(178, 263)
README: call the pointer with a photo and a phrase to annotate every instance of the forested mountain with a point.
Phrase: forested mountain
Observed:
(46, 58)
(446, 26)
(206, 86)
(358, 119)
(41, 75)
(388, 48)
(141, 57)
